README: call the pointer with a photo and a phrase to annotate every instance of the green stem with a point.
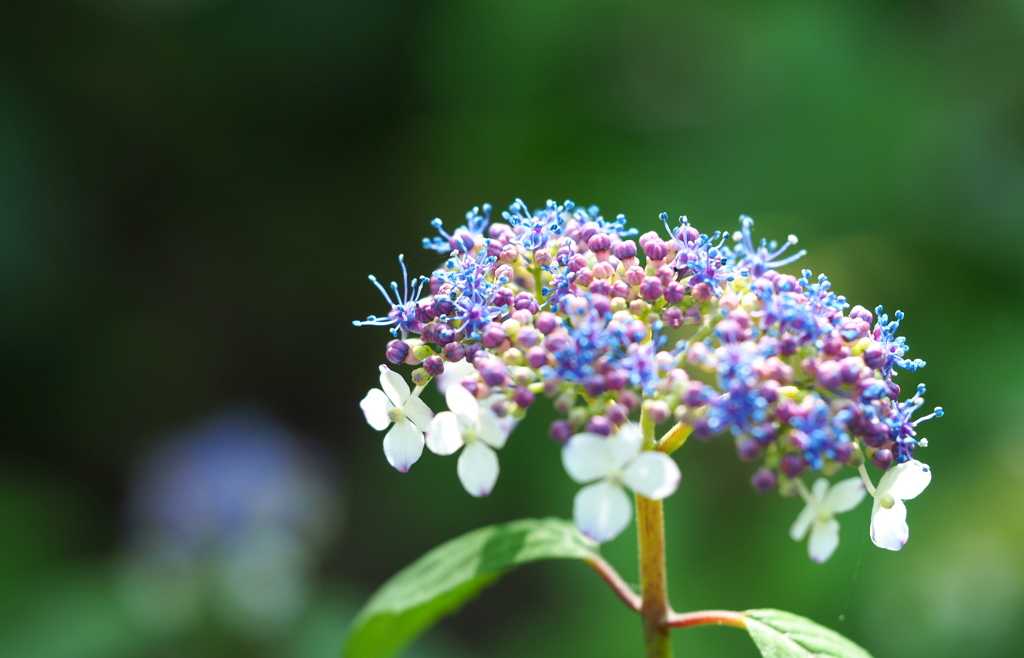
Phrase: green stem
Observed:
(674, 438)
(654, 606)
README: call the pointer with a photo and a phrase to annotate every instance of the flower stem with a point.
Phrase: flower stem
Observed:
(654, 606)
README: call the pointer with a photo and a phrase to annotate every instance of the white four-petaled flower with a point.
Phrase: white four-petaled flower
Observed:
(473, 425)
(819, 515)
(904, 481)
(394, 403)
(602, 510)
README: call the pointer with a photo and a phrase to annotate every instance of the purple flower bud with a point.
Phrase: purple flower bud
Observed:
(702, 292)
(647, 237)
(537, 357)
(442, 306)
(525, 300)
(523, 397)
(673, 317)
(577, 263)
(692, 316)
(454, 352)
(615, 379)
(600, 425)
(874, 356)
(792, 465)
(702, 429)
(493, 335)
(504, 297)
(770, 391)
(882, 459)
(850, 369)
(764, 480)
(434, 365)
(629, 400)
(397, 351)
(843, 451)
(832, 343)
(601, 287)
(528, 337)
(599, 242)
(620, 289)
(547, 322)
(617, 413)
(655, 249)
(470, 384)
(509, 254)
(560, 431)
(861, 313)
(650, 288)
(695, 395)
(624, 250)
(472, 350)
(493, 372)
(658, 411)
(594, 385)
(675, 292)
(828, 374)
(729, 331)
(444, 334)
(589, 230)
(424, 313)
(748, 449)
(600, 303)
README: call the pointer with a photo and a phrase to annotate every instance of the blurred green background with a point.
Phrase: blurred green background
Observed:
(192, 193)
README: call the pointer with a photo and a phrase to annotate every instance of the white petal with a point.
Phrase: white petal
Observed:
(375, 407)
(625, 444)
(478, 468)
(602, 511)
(462, 402)
(798, 530)
(909, 479)
(654, 475)
(845, 495)
(403, 445)
(818, 490)
(889, 527)
(417, 411)
(444, 436)
(453, 374)
(587, 457)
(394, 385)
(493, 431)
(824, 540)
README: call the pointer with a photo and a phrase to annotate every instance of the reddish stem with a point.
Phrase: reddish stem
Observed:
(615, 581)
(705, 618)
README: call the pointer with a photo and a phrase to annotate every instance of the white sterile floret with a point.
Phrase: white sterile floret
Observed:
(394, 403)
(453, 374)
(823, 503)
(904, 481)
(473, 425)
(602, 510)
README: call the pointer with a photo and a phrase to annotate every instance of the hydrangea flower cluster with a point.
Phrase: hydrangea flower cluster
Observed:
(701, 330)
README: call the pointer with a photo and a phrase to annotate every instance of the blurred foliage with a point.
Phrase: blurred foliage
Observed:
(193, 191)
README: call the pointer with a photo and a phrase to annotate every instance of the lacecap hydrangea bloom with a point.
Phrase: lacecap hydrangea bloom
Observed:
(702, 332)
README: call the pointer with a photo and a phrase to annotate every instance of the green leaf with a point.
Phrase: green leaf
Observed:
(779, 634)
(440, 582)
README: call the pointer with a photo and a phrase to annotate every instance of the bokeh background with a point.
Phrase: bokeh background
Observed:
(192, 193)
